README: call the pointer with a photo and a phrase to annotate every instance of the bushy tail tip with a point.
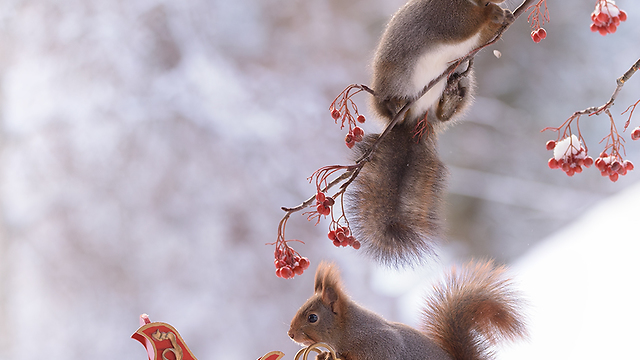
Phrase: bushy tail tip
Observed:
(474, 309)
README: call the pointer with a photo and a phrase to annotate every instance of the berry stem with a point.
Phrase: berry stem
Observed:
(633, 108)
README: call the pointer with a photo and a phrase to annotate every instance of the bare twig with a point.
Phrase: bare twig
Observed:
(597, 110)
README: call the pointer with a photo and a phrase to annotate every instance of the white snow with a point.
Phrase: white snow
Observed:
(583, 285)
(568, 146)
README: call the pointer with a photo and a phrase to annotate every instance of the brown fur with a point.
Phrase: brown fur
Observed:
(418, 28)
(479, 299)
(395, 202)
(467, 315)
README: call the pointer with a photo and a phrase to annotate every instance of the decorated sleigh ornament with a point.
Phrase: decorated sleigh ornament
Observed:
(163, 342)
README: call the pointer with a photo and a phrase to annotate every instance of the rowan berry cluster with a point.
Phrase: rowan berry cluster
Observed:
(289, 263)
(323, 203)
(538, 35)
(343, 108)
(569, 155)
(353, 136)
(613, 166)
(341, 236)
(607, 17)
(537, 17)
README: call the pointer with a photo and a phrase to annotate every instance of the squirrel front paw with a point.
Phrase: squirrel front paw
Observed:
(501, 16)
(508, 17)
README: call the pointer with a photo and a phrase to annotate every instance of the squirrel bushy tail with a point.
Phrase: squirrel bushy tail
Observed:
(473, 309)
(395, 203)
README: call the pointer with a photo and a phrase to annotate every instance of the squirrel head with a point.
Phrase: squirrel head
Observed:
(322, 316)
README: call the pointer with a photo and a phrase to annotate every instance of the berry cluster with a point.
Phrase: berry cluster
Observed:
(289, 263)
(355, 135)
(569, 155)
(341, 236)
(537, 17)
(538, 35)
(613, 166)
(607, 17)
(341, 109)
(323, 203)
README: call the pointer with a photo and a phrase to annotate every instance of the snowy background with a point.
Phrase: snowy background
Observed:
(146, 147)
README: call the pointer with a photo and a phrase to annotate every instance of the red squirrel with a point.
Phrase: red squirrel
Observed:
(473, 309)
(396, 199)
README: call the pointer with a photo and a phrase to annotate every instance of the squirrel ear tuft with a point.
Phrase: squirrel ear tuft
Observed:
(329, 286)
(319, 280)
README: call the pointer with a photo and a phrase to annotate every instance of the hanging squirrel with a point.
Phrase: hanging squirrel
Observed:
(395, 201)
(472, 310)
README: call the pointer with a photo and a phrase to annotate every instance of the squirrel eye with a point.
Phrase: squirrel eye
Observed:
(312, 318)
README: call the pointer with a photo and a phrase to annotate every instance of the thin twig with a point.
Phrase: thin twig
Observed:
(597, 110)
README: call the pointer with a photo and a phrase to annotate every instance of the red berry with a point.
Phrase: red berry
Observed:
(613, 177)
(615, 20)
(588, 161)
(349, 140)
(535, 37)
(346, 231)
(600, 164)
(350, 239)
(542, 33)
(594, 17)
(356, 245)
(551, 144)
(635, 134)
(603, 17)
(336, 243)
(360, 118)
(628, 165)
(320, 197)
(553, 163)
(341, 236)
(286, 272)
(622, 15)
(304, 263)
(335, 114)
(323, 210)
(594, 27)
(611, 28)
(358, 133)
(566, 167)
(603, 30)
(331, 235)
(616, 165)
(571, 171)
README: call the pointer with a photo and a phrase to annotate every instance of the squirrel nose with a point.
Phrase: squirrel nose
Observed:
(290, 334)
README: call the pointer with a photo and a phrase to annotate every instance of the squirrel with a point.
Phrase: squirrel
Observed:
(473, 309)
(396, 199)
